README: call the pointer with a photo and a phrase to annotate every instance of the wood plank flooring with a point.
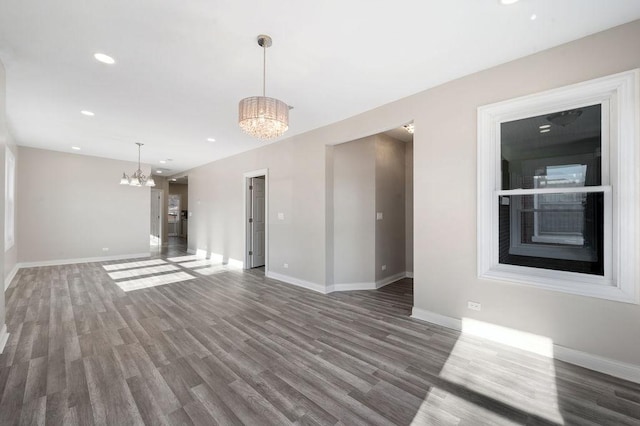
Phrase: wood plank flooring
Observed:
(231, 347)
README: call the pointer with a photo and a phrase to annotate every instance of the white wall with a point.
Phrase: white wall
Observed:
(354, 204)
(390, 201)
(72, 206)
(444, 199)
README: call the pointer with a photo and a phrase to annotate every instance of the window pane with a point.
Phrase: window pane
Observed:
(558, 150)
(561, 231)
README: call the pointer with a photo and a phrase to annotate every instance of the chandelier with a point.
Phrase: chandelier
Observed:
(259, 116)
(137, 178)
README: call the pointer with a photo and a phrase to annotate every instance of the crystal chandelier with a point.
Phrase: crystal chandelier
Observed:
(259, 116)
(137, 178)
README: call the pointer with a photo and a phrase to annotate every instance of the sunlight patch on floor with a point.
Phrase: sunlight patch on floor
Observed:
(215, 269)
(154, 281)
(185, 258)
(503, 378)
(198, 263)
(129, 273)
(128, 265)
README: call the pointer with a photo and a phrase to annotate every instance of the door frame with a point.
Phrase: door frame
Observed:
(247, 213)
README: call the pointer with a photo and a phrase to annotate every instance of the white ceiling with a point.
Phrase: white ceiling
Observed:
(182, 66)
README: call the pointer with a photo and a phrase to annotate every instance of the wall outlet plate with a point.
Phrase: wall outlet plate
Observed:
(474, 306)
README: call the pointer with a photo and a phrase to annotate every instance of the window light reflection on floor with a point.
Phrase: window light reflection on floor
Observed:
(154, 281)
(129, 273)
(489, 378)
(214, 269)
(185, 258)
(197, 263)
(129, 265)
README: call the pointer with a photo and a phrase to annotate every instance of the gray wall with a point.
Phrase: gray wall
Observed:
(354, 204)
(182, 190)
(72, 206)
(445, 173)
(4, 140)
(296, 189)
(11, 255)
(408, 186)
(390, 201)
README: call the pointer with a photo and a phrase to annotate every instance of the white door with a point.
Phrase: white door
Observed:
(156, 213)
(257, 222)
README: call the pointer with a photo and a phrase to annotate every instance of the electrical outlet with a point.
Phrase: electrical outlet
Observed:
(379, 216)
(105, 248)
(384, 267)
(286, 265)
(280, 216)
(474, 306)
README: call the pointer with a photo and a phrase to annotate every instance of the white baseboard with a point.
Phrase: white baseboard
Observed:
(410, 274)
(4, 336)
(609, 366)
(532, 343)
(11, 276)
(297, 282)
(351, 287)
(391, 279)
(435, 318)
(366, 286)
(216, 258)
(82, 260)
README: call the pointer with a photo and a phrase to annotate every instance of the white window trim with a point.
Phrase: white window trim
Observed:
(620, 282)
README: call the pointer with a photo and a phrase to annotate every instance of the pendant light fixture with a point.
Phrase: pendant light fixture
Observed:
(137, 178)
(259, 116)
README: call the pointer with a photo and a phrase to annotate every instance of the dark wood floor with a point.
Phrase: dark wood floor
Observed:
(222, 346)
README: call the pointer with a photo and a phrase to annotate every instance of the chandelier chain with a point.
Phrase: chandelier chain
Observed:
(264, 69)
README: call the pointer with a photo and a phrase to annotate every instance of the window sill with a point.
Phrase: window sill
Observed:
(564, 282)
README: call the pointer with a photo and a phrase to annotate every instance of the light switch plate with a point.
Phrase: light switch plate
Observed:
(280, 216)
(379, 216)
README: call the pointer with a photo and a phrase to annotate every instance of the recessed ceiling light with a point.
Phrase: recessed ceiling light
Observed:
(508, 1)
(211, 140)
(77, 148)
(533, 17)
(163, 161)
(545, 126)
(173, 180)
(87, 113)
(159, 171)
(105, 59)
(545, 130)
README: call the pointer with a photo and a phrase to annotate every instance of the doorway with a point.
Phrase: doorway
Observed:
(155, 231)
(256, 229)
(177, 215)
